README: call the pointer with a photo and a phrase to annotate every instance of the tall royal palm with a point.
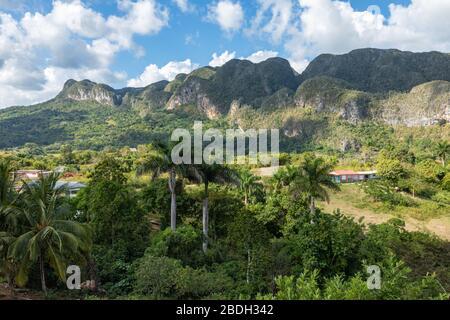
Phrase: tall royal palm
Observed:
(206, 174)
(46, 236)
(158, 161)
(314, 179)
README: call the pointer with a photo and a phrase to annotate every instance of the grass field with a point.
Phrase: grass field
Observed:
(426, 216)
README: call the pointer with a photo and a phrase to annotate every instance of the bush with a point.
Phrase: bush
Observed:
(446, 182)
(390, 169)
(395, 284)
(442, 197)
(430, 171)
(381, 190)
(166, 278)
(185, 244)
(329, 244)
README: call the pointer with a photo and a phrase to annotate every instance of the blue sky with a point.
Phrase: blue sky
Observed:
(171, 43)
(136, 42)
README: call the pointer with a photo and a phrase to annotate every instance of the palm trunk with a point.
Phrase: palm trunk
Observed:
(205, 219)
(312, 206)
(42, 270)
(312, 209)
(173, 200)
(249, 264)
(92, 266)
(246, 199)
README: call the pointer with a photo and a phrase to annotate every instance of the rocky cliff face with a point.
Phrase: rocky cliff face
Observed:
(213, 91)
(192, 92)
(426, 104)
(324, 94)
(390, 85)
(150, 97)
(88, 90)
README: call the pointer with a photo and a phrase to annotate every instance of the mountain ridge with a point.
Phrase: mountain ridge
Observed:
(273, 83)
(364, 85)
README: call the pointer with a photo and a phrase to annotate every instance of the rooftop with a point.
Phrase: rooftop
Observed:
(351, 173)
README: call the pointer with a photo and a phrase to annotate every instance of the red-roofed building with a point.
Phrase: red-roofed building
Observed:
(350, 176)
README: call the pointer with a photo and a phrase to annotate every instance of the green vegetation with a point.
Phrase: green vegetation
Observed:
(264, 238)
(146, 228)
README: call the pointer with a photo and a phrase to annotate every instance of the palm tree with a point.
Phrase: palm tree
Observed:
(249, 185)
(207, 174)
(46, 237)
(313, 179)
(157, 161)
(442, 151)
(283, 177)
(7, 223)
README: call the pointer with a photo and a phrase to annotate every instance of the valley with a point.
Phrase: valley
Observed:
(141, 226)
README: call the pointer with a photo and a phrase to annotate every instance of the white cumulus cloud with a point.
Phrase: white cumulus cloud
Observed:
(220, 60)
(227, 14)
(273, 18)
(421, 25)
(153, 73)
(39, 52)
(261, 56)
(184, 5)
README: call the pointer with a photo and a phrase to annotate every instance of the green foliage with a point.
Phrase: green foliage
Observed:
(109, 170)
(313, 178)
(442, 197)
(266, 236)
(443, 151)
(250, 186)
(332, 94)
(46, 235)
(121, 229)
(328, 243)
(166, 278)
(395, 285)
(390, 169)
(382, 190)
(430, 171)
(446, 182)
(423, 254)
(184, 245)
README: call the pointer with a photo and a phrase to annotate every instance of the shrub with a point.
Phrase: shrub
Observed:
(395, 284)
(390, 169)
(381, 190)
(328, 243)
(431, 171)
(442, 197)
(166, 278)
(184, 244)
